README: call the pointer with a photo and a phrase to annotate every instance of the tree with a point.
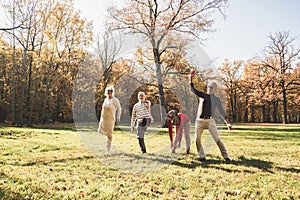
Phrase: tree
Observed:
(157, 19)
(280, 59)
(53, 50)
(19, 23)
(230, 74)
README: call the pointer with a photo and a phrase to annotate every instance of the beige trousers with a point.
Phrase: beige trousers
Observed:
(209, 124)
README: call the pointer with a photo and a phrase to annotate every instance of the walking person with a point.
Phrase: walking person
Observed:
(182, 124)
(111, 110)
(208, 103)
(141, 118)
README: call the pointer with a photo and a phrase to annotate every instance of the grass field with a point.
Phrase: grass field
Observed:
(62, 163)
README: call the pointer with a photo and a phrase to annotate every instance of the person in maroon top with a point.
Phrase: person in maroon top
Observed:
(182, 124)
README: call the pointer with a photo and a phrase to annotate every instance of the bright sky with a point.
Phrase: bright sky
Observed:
(242, 35)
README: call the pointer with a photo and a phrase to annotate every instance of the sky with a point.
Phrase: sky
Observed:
(241, 36)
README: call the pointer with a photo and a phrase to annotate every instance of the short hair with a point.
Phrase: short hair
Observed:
(213, 83)
(109, 88)
(141, 93)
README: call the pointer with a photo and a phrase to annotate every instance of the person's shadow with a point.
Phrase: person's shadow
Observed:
(263, 165)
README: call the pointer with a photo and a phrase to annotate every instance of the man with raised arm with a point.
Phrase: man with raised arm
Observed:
(205, 117)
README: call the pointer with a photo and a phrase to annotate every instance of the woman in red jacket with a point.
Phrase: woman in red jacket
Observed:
(182, 124)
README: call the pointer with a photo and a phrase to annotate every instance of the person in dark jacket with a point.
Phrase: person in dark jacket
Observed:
(205, 118)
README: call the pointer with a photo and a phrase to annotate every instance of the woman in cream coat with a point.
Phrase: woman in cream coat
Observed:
(111, 110)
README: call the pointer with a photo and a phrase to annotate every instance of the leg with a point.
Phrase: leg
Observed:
(215, 134)
(140, 135)
(179, 137)
(108, 143)
(175, 145)
(187, 127)
(142, 145)
(199, 127)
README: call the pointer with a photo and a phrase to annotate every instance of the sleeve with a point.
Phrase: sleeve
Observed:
(133, 116)
(220, 108)
(170, 129)
(119, 109)
(196, 92)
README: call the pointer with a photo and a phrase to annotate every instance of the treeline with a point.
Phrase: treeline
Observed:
(42, 48)
(262, 90)
(44, 59)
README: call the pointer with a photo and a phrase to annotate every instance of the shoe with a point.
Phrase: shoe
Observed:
(187, 152)
(202, 159)
(227, 160)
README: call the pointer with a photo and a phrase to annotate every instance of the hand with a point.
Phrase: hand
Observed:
(191, 75)
(192, 72)
(230, 128)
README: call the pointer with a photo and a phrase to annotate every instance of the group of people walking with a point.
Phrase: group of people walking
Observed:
(141, 119)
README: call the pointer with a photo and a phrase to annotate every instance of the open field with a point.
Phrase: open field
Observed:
(62, 163)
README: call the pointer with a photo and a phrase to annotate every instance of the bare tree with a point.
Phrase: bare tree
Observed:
(230, 74)
(16, 23)
(107, 50)
(156, 19)
(280, 58)
(108, 47)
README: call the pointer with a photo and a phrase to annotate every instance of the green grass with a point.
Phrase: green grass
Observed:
(62, 163)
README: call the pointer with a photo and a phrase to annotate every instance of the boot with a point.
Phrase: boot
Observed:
(142, 145)
(187, 152)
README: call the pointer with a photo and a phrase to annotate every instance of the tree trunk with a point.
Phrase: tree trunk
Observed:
(252, 113)
(285, 120)
(13, 87)
(160, 85)
(28, 98)
(232, 107)
(23, 82)
(263, 112)
(275, 111)
(268, 115)
(246, 112)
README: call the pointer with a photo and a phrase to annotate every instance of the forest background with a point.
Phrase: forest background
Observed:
(45, 56)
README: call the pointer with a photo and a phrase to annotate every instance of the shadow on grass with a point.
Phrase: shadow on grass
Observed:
(242, 161)
(47, 162)
(265, 166)
(259, 164)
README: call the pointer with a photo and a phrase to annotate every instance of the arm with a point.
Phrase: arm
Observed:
(148, 103)
(194, 90)
(224, 117)
(229, 126)
(133, 118)
(119, 110)
(170, 130)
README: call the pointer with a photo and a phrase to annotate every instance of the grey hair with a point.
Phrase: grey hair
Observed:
(214, 83)
(109, 88)
(141, 93)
